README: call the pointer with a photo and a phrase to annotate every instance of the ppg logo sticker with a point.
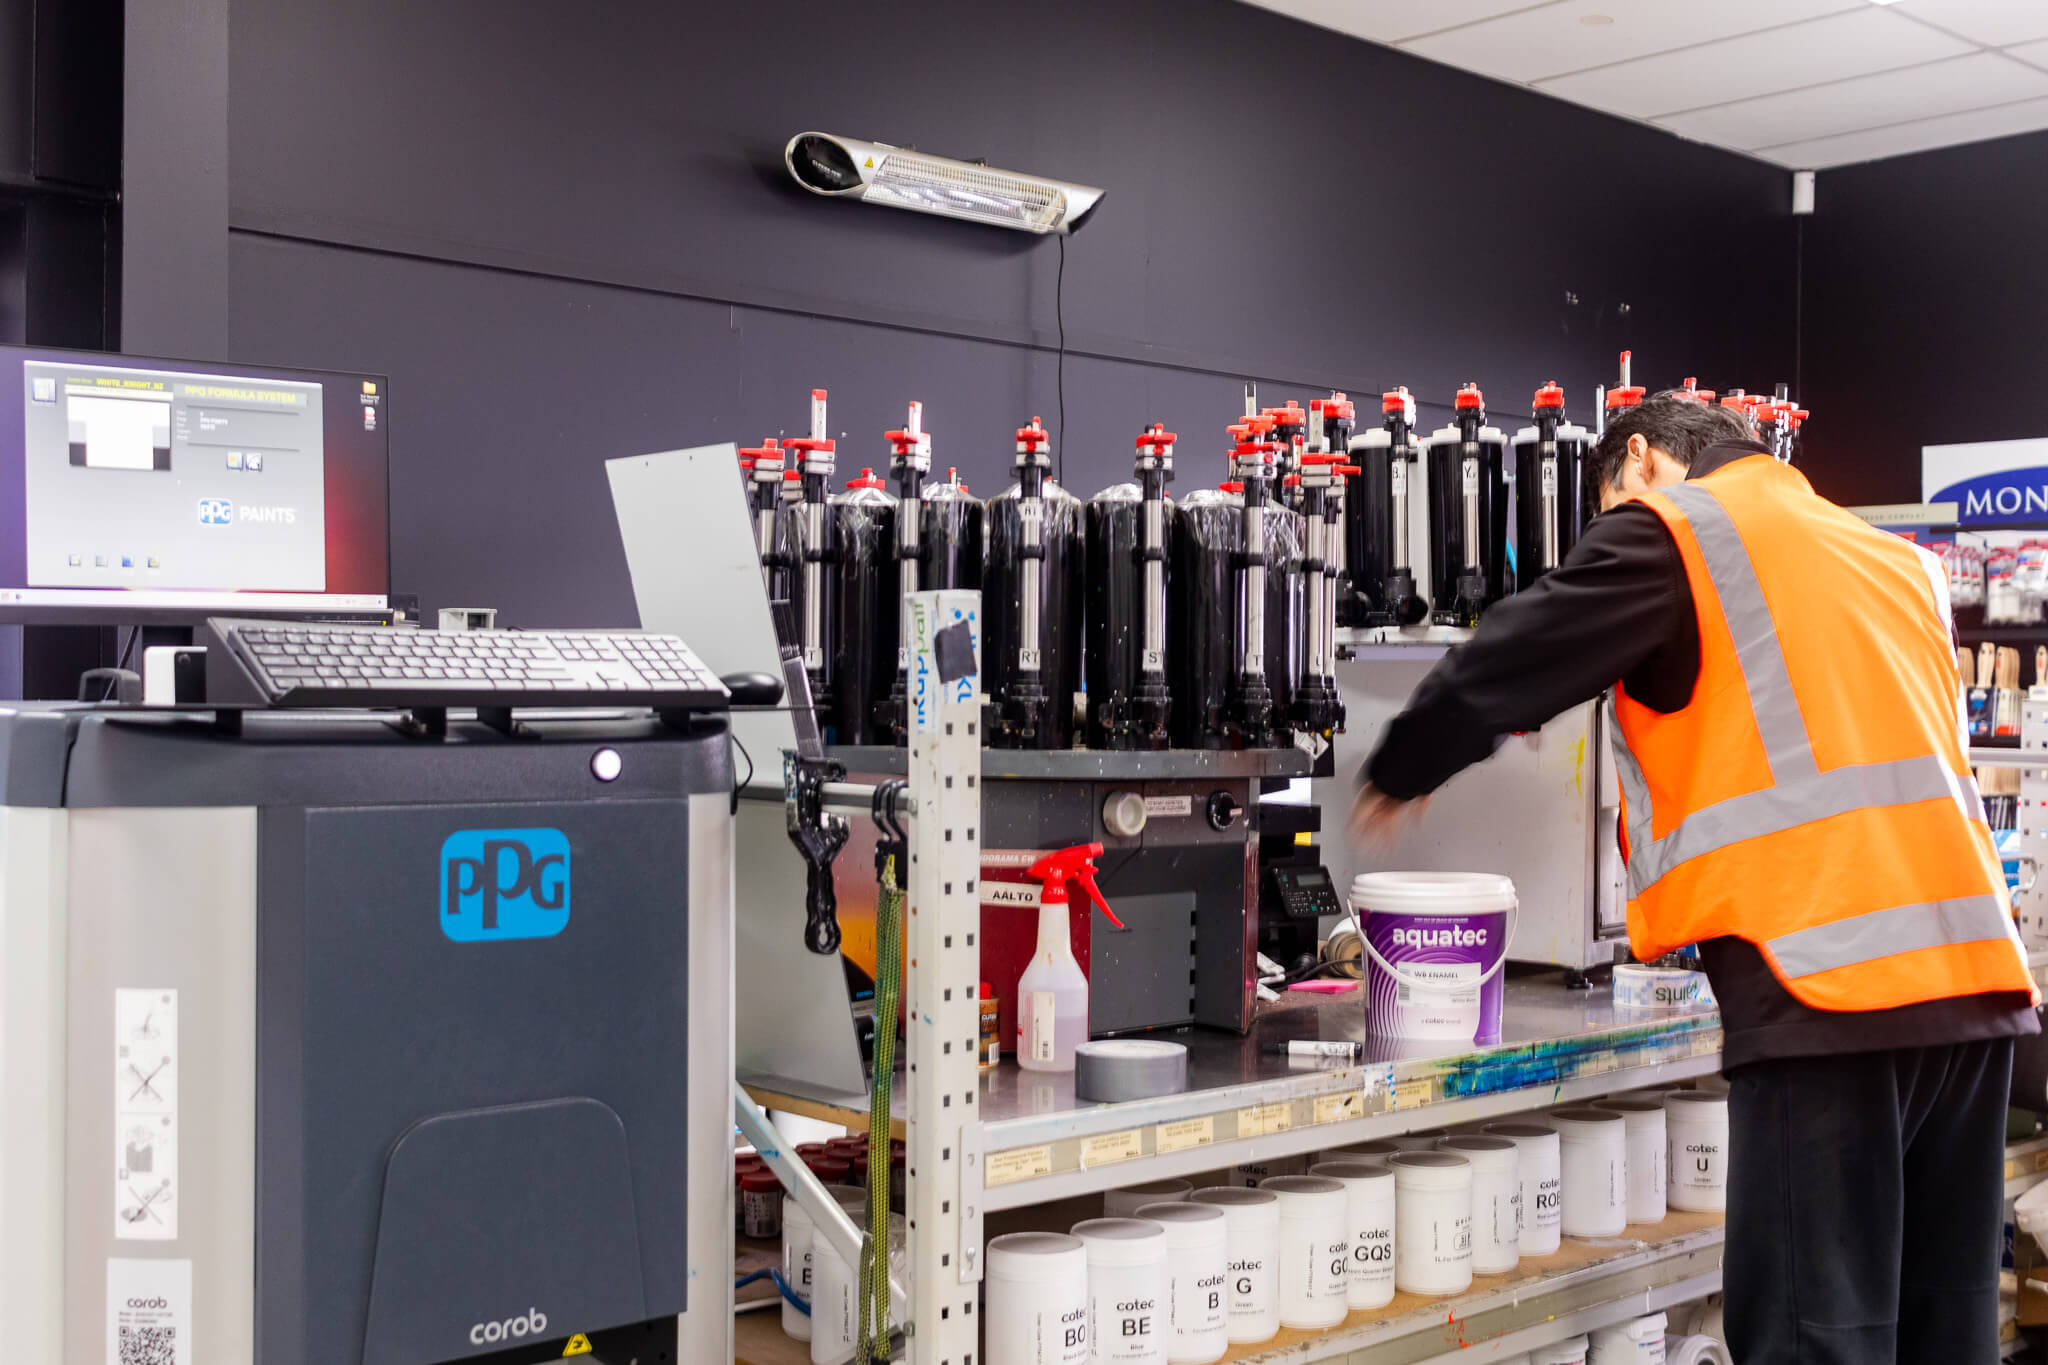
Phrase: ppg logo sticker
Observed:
(216, 512)
(504, 883)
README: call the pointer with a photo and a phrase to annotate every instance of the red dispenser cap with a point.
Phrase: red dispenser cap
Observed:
(1395, 401)
(1469, 397)
(1158, 438)
(1624, 397)
(1034, 437)
(867, 479)
(1076, 864)
(1231, 486)
(1549, 396)
(1339, 405)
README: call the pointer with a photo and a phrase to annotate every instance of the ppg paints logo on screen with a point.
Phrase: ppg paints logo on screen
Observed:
(216, 512)
(504, 883)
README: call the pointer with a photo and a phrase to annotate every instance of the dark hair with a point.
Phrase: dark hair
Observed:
(1680, 427)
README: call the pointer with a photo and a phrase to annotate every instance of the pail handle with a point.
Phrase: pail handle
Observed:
(1514, 914)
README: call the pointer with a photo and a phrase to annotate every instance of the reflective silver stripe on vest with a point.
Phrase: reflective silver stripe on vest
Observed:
(1788, 805)
(1799, 793)
(1635, 790)
(1882, 933)
(1748, 615)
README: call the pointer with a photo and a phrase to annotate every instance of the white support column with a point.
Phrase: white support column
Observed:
(942, 974)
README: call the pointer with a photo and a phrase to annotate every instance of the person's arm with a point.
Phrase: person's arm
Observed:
(1618, 596)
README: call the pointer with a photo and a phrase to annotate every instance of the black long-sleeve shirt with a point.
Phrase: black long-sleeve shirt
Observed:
(1619, 608)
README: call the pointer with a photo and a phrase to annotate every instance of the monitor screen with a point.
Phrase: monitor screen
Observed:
(140, 490)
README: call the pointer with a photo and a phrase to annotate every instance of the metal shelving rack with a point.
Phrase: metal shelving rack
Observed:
(983, 1143)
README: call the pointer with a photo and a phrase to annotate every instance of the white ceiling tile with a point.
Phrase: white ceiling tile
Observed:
(1853, 44)
(2034, 53)
(1554, 39)
(1950, 130)
(1995, 23)
(1976, 81)
(1390, 21)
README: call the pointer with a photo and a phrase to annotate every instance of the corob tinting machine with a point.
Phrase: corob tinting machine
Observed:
(341, 1038)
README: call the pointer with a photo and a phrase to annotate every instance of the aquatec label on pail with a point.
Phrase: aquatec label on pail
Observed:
(1439, 995)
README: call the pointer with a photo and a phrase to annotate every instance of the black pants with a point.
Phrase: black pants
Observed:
(1865, 1205)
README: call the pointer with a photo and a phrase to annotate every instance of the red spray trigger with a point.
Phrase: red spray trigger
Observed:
(1055, 870)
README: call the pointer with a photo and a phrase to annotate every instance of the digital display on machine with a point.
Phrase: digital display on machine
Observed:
(1312, 879)
(143, 489)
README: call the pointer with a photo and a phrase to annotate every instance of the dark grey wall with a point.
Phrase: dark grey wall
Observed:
(565, 234)
(1926, 295)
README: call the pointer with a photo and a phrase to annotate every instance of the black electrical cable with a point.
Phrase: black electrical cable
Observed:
(1059, 309)
(134, 634)
(738, 787)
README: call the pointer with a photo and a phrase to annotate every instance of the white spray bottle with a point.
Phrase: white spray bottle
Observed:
(1052, 994)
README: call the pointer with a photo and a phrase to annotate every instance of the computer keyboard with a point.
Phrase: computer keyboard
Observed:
(303, 665)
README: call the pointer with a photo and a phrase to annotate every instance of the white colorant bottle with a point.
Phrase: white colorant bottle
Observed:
(1433, 1222)
(1126, 1202)
(1129, 1280)
(1423, 1141)
(1052, 994)
(1643, 1122)
(835, 1300)
(1638, 1342)
(1197, 1256)
(797, 1232)
(1369, 1201)
(1697, 1126)
(1496, 1200)
(1541, 1183)
(1593, 1146)
(1251, 1223)
(1037, 1299)
(1315, 1249)
(1251, 1174)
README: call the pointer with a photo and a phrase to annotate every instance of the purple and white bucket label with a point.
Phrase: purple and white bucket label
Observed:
(1443, 958)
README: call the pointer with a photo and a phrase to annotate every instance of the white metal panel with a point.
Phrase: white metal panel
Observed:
(1976, 81)
(1550, 40)
(1389, 21)
(705, 1331)
(1925, 135)
(2034, 54)
(1995, 23)
(1854, 44)
(33, 1089)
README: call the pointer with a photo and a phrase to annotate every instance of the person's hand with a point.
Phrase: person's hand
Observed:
(1378, 819)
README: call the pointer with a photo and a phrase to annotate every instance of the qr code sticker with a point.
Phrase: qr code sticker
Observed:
(149, 1346)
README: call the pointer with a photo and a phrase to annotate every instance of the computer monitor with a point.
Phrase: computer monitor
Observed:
(137, 490)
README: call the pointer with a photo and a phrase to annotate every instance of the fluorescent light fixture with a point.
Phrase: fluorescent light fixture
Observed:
(875, 172)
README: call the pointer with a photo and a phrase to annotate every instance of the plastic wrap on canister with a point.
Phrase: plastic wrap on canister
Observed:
(864, 641)
(1115, 614)
(794, 541)
(1286, 613)
(1468, 514)
(950, 551)
(1060, 594)
(1201, 628)
(1550, 494)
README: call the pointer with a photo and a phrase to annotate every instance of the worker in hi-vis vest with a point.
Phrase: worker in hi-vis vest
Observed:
(1797, 800)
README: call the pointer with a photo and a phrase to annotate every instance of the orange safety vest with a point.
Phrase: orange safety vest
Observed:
(1814, 796)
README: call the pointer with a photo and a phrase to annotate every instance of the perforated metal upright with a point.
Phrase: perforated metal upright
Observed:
(2030, 901)
(943, 973)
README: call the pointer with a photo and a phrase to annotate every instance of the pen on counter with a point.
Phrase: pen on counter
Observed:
(1300, 1048)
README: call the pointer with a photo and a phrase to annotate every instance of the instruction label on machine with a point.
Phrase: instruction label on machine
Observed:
(1183, 804)
(149, 1312)
(146, 1115)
